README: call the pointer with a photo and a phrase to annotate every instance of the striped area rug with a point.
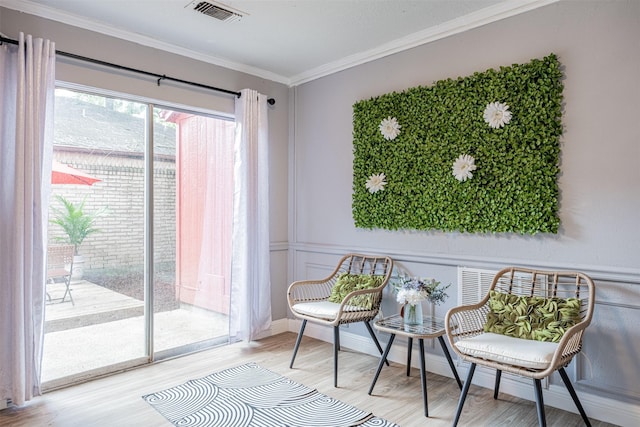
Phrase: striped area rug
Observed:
(249, 395)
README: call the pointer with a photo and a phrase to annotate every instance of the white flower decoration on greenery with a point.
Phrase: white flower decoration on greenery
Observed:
(389, 128)
(376, 182)
(497, 114)
(463, 166)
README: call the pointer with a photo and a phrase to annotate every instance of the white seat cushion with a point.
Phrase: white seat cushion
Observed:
(322, 309)
(509, 350)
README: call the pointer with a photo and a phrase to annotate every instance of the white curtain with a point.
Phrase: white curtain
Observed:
(250, 311)
(26, 130)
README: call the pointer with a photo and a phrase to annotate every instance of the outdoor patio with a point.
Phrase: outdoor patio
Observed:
(106, 327)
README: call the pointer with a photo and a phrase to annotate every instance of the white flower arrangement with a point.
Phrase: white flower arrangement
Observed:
(413, 290)
(497, 114)
(389, 128)
(463, 166)
(376, 182)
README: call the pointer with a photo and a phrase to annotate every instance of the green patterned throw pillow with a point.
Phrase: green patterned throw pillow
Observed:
(348, 283)
(532, 318)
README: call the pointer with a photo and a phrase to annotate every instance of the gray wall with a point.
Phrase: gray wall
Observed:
(598, 43)
(599, 46)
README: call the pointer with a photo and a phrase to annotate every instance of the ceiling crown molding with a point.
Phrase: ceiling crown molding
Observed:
(485, 16)
(99, 27)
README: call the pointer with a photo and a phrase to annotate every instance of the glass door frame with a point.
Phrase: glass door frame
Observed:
(150, 355)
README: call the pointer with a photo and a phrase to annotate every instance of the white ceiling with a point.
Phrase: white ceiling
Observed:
(289, 41)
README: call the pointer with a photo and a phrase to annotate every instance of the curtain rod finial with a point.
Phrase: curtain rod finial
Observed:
(270, 101)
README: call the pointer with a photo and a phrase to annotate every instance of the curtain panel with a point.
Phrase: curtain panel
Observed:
(250, 311)
(27, 83)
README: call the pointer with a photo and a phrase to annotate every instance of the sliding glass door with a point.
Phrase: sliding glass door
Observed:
(193, 196)
(151, 277)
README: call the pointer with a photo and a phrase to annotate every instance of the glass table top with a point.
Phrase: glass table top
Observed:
(431, 327)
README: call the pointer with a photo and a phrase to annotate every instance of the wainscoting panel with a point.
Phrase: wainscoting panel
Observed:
(606, 374)
(610, 358)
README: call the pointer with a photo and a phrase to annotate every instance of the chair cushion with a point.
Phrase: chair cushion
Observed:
(531, 317)
(509, 350)
(347, 283)
(323, 309)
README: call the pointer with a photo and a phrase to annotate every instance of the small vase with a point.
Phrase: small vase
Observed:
(412, 315)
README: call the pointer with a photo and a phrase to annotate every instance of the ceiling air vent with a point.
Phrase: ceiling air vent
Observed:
(218, 11)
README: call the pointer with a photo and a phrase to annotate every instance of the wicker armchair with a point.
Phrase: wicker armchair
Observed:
(309, 300)
(465, 327)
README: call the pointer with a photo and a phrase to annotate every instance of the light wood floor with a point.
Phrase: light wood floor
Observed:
(116, 400)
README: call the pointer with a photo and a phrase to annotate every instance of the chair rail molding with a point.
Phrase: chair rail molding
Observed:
(598, 273)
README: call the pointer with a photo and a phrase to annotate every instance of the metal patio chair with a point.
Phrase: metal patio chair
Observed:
(60, 269)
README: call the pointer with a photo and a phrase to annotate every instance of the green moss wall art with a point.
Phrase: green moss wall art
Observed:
(477, 154)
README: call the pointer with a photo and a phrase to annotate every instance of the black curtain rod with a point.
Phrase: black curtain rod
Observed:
(160, 77)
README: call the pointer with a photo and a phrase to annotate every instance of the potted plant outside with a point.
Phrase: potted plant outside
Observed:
(77, 225)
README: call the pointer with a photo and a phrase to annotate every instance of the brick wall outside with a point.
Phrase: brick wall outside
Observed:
(120, 241)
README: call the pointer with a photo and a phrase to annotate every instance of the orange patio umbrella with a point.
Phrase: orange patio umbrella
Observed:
(63, 174)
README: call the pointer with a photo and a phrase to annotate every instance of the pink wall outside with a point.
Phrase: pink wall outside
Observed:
(204, 197)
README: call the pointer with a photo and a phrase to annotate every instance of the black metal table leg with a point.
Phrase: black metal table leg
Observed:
(451, 365)
(375, 340)
(431, 328)
(409, 348)
(423, 378)
(383, 358)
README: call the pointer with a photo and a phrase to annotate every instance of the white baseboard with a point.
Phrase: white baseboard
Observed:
(4, 404)
(277, 327)
(617, 412)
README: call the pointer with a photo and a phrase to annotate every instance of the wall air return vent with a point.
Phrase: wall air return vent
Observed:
(474, 283)
(216, 10)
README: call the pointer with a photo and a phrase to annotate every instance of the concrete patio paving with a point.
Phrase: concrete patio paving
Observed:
(105, 328)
